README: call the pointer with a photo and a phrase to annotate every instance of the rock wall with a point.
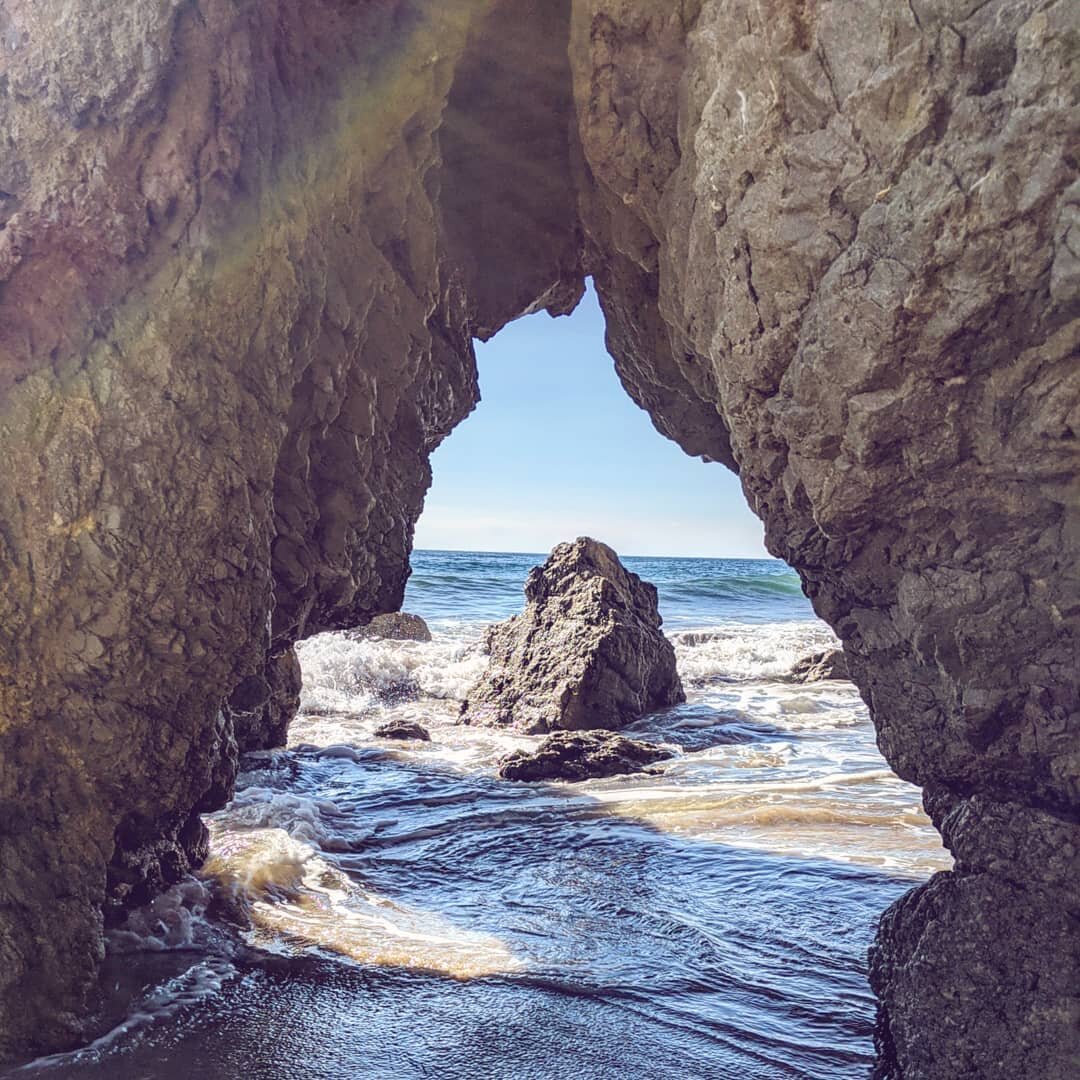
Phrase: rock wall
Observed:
(236, 317)
(855, 227)
(244, 248)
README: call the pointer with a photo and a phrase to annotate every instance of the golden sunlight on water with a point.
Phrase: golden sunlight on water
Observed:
(297, 901)
(850, 818)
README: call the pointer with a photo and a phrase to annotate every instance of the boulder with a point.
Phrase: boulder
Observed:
(586, 653)
(577, 755)
(396, 626)
(403, 729)
(819, 666)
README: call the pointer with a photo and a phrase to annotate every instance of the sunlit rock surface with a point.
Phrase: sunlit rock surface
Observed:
(830, 664)
(587, 651)
(243, 252)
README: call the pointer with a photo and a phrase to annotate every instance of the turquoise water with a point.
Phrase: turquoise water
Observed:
(414, 916)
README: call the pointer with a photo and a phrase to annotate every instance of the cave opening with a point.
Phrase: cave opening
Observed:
(776, 822)
(556, 448)
(385, 838)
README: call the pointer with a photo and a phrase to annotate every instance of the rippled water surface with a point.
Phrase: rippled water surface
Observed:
(408, 914)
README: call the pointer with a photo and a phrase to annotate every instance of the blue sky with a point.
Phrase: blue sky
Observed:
(556, 449)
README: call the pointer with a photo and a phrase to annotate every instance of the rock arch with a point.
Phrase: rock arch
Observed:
(244, 249)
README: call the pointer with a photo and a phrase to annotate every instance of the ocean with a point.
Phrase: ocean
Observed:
(411, 915)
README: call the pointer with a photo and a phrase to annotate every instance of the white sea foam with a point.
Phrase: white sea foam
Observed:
(356, 676)
(171, 921)
(747, 651)
(188, 989)
(299, 900)
(302, 818)
(754, 753)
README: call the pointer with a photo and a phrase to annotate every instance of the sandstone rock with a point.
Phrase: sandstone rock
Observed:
(397, 626)
(587, 652)
(403, 729)
(819, 666)
(574, 755)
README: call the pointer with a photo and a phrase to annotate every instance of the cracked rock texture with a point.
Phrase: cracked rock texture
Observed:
(587, 651)
(244, 249)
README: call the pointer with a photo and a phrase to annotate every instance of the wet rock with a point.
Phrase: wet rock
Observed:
(574, 755)
(397, 626)
(820, 666)
(262, 706)
(1012, 896)
(696, 637)
(149, 858)
(933, 948)
(587, 652)
(403, 729)
(396, 693)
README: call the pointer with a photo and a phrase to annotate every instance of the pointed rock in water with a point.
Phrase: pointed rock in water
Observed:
(396, 626)
(586, 653)
(820, 666)
(575, 755)
(403, 729)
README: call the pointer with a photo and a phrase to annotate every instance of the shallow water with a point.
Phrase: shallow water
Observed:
(411, 915)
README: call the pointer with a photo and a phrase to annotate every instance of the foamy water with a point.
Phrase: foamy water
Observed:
(374, 908)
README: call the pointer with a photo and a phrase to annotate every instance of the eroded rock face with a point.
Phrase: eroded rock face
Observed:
(244, 250)
(581, 755)
(850, 233)
(587, 651)
(236, 317)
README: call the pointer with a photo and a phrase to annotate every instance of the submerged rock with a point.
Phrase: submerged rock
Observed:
(576, 755)
(693, 638)
(820, 666)
(396, 626)
(586, 653)
(403, 729)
